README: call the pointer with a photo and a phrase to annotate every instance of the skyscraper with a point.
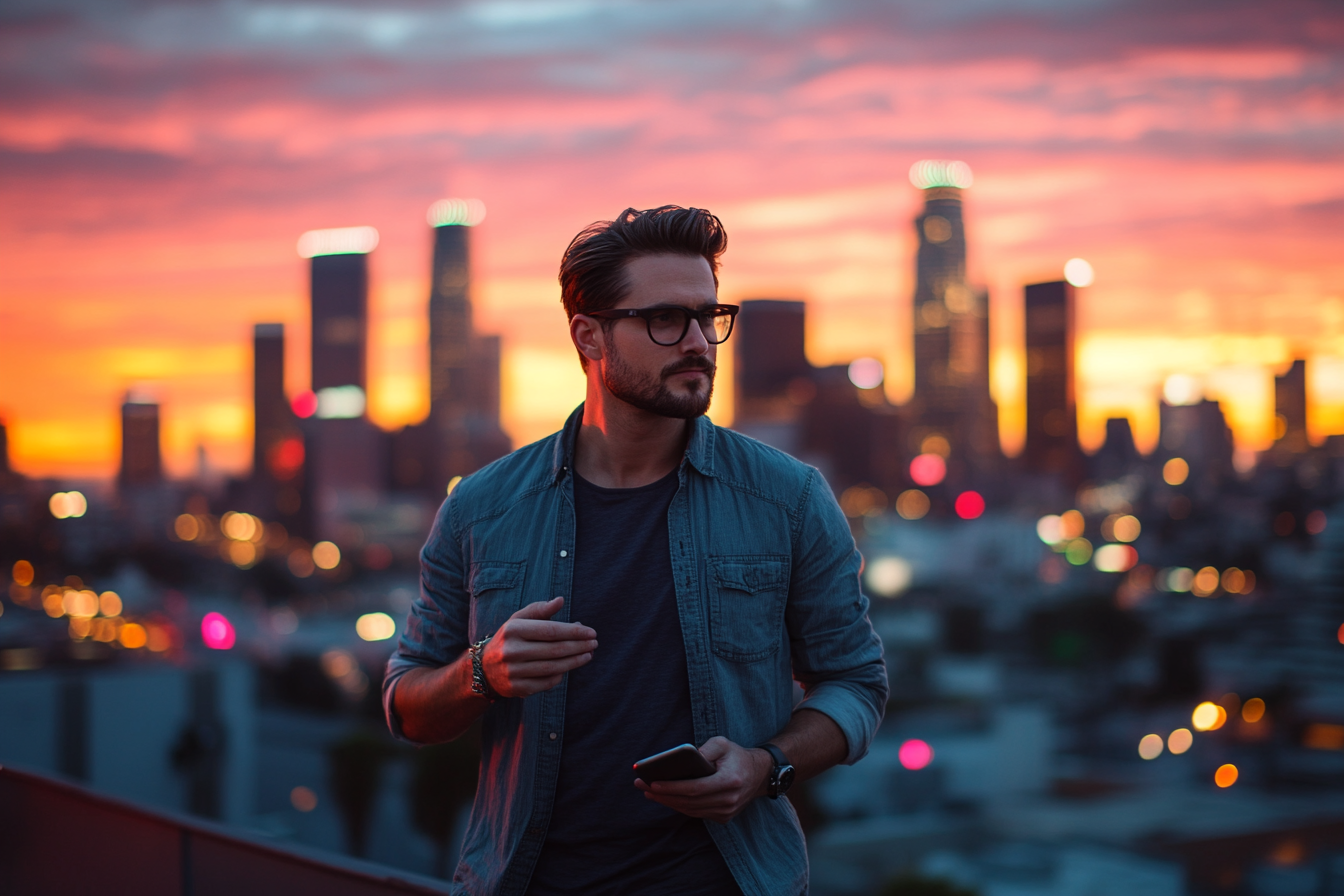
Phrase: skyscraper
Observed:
(1290, 410)
(1052, 419)
(339, 273)
(270, 409)
(769, 355)
(951, 325)
(140, 459)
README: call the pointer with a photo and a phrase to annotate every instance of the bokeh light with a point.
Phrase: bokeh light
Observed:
(1182, 389)
(928, 469)
(133, 635)
(1253, 710)
(326, 555)
(1150, 746)
(1180, 741)
(23, 573)
(1049, 530)
(1180, 579)
(375, 627)
(915, 754)
(1205, 583)
(300, 562)
(969, 505)
(866, 373)
(912, 504)
(1126, 528)
(1175, 471)
(1315, 522)
(187, 527)
(1115, 558)
(1079, 272)
(1226, 775)
(1208, 716)
(1071, 524)
(1078, 551)
(109, 603)
(67, 505)
(217, 632)
(304, 405)
(888, 576)
(303, 799)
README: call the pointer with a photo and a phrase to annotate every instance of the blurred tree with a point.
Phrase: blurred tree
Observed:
(918, 885)
(355, 765)
(443, 781)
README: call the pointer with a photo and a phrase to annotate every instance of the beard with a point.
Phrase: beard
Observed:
(650, 393)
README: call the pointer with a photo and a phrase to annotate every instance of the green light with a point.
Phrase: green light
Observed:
(461, 212)
(930, 173)
(338, 241)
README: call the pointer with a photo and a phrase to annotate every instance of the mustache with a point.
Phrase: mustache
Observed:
(685, 364)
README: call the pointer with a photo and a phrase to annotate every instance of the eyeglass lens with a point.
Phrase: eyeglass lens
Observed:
(669, 325)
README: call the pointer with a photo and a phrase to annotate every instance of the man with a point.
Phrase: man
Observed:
(639, 580)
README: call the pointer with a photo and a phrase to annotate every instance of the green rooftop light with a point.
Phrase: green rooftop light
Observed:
(338, 241)
(930, 173)
(462, 212)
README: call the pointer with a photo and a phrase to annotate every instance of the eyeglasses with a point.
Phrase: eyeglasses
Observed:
(669, 324)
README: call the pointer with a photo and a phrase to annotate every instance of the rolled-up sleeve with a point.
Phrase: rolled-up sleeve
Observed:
(837, 657)
(435, 633)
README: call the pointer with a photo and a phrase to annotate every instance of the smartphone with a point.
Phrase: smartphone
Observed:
(677, 764)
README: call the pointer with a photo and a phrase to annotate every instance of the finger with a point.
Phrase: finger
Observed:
(543, 630)
(716, 748)
(515, 651)
(546, 668)
(541, 609)
(694, 787)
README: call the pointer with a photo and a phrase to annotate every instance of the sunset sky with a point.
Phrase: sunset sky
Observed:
(158, 162)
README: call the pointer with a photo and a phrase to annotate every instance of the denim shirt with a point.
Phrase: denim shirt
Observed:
(767, 587)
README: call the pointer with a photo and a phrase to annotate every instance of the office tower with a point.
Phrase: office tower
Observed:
(1198, 433)
(768, 346)
(951, 326)
(339, 277)
(140, 461)
(1052, 420)
(272, 419)
(1290, 410)
(1117, 456)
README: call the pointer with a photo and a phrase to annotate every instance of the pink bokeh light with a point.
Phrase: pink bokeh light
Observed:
(970, 505)
(217, 632)
(928, 469)
(916, 754)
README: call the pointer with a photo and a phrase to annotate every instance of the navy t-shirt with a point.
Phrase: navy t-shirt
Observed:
(632, 700)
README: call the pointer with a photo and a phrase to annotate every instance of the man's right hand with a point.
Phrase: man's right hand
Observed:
(530, 653)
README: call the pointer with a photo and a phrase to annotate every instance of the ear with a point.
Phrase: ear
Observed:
(586, 332)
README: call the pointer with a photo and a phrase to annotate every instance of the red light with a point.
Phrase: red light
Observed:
(217, 632)
(285, 458)
(969, 505)
(928, 469)
(304, 404)
(916, 754)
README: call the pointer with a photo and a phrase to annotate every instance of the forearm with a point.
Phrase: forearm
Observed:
(811, 741)
(437, 705)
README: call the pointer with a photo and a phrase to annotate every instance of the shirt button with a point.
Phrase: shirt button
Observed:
(564, 553)
(552, 735)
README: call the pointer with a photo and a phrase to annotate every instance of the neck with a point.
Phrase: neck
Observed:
(621, 446)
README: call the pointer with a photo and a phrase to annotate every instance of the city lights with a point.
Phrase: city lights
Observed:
(1208, 716)
(300, 563)
(1315, 522)
(930, 173)
(1049, 529)
(338, 241)
(68, 505)
(187, 527)
(912, 504)
(375, 627)
(1078, 551)
(1124, 529)
(1181, 389)
(1175, 471)
(340, 403)
(969, 505)
(217, 632)
(1071, 524)
(304, 405)
(133, 636)
(326, 555)
(22, 573)
(303, 799)
(866, 373)
(1180, 740)
(888, 576)
(1205, 582)
(928, 469)
(1323, 736)
(1253, 710)
(1226, 775)
(1150, 746)
(1078, 272)
(241, 526)
(915, 754)
(109, 603)
(462, 212)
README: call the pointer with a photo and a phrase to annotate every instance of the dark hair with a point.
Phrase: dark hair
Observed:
(592, 272)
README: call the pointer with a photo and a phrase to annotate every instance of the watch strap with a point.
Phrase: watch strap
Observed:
(777, 754)
(781, 773)
(480, 685)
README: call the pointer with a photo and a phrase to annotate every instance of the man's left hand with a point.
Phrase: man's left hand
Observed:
(739, 778)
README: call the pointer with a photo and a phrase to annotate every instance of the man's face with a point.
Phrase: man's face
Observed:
(668, 380)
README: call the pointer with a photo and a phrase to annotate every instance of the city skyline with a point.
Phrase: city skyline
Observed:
(1086, 140)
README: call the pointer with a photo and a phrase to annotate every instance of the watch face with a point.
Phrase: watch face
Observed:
(784, 780)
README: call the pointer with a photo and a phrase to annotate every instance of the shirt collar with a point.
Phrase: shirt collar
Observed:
(699, 450)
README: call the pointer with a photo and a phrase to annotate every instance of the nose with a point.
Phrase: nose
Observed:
(695, 342)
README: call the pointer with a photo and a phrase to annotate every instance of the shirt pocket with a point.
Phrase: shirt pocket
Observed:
(496, 588)
(747, 594)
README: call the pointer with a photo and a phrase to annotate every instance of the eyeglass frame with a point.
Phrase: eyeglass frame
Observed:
(698, 314)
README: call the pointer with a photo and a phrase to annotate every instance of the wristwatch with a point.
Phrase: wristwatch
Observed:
(781, 775)
(479, 684)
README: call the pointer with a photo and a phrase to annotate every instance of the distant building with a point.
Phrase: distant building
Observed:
(339, 280)
(1290, 410)
(1052, 417)
(951, 326)
(1117, 456)
(141, 463)
(1197, 433)
(769, 355)
(278, 451)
